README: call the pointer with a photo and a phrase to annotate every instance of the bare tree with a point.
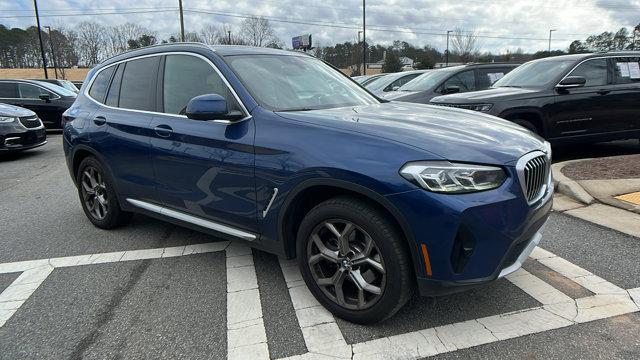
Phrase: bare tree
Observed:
(91, 42)
(465, 44)
(210, 35)
(118, 36)
(258, 32)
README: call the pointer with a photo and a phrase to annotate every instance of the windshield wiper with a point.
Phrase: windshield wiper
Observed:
(298, 109)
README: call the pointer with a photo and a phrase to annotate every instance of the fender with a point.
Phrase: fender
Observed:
(356, 188)
(81, 147)
(534, 110)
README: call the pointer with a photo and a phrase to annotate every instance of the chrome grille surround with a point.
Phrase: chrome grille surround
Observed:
(30, 122)
(534, 173)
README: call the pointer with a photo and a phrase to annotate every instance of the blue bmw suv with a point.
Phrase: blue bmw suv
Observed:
(280, 150)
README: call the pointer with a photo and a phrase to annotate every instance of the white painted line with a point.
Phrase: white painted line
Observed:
(246, 334)
(537, 288)
(12, 298)
(508, 326)
(463, 335)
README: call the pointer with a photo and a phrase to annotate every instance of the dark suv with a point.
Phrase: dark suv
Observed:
(282, 151)
(455, 79)
(566, 99)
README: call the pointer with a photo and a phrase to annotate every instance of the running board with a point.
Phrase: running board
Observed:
(193, 220)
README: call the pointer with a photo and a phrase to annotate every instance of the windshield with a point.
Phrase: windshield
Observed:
(57, 89)
(535, 74)
(426, 81)
(290, 83)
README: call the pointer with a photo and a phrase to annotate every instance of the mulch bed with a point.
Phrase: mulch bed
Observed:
(616, 167)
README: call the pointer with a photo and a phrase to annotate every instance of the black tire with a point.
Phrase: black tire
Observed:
(527, 125)
(113, 216)
(390, 246)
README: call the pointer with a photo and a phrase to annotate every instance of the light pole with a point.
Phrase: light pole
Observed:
(44, 59)
(53, 54)
(364, 40)
(229, 33)
(446, 52)
(363, 63)
(181, 21)
(550, 31)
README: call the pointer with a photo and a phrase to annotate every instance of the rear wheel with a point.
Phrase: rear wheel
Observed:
(354, 261)
(98, 197)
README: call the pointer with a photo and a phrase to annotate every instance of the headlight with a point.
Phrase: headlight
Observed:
(7, 119)
(452, 178)
(480, 107)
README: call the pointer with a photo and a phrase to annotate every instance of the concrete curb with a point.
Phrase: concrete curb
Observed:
(569, 187)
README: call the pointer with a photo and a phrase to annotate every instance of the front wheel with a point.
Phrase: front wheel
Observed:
(354, 260)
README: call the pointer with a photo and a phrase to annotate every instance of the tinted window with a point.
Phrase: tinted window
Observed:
(8, 90)
(137, 90)
(536, 74)
(403, 80)
(465, 80)
(29, 91)
(186, 77)
(100, 84)
(626, 70)
(114, 89)
(595, 71)
(488, 76)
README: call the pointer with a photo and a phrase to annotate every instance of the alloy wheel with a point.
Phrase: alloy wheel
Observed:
(94, 193)
(346, 264)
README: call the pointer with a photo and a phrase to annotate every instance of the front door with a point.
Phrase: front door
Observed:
(203, 168)
(585, 110)
(48, 111)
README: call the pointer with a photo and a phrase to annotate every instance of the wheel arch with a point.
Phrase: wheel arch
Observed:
(311, 192)
(534, 116)
(80, 153)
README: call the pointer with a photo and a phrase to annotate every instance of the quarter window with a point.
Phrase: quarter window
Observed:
(186, 77)
(101, 84)
(465, 80)
(594, 71)
(137, 89)
(626, 70)
(29, 91)
(8, 90)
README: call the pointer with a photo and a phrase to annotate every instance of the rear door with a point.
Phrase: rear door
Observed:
(626, 91)
(587, 109)
(120, 127)
(203, 168)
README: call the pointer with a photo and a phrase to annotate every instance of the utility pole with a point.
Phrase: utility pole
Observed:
(229, 33)
(181, 22)
(364, 64)
(53, 54)
(44, 59)
(446, 52)
(550, 31)
(364, 40)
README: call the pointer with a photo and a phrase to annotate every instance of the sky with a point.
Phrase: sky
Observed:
(501, 25)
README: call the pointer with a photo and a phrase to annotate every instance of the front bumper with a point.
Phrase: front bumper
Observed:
(497, 229)
(23, 139)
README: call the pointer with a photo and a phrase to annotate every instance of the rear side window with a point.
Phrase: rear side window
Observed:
(594, 71)
(8, 90)
(186, 77)
(114, 89)
(29, 91)
(626, 70)
(101, 84)
(137, 90)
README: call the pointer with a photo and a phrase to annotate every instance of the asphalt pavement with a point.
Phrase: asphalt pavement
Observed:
(180, 299)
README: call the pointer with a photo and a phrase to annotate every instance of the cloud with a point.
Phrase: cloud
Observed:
(501, 24)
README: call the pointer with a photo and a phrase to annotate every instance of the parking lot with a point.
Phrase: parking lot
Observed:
(70, 290)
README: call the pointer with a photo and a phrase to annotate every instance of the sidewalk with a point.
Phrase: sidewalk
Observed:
(604, 191)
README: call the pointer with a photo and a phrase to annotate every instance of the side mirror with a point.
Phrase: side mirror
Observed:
(210, 107)
(45, 97)
(451, 90)
(571, 82)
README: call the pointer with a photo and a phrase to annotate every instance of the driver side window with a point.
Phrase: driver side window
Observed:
(594, 71)
(186, 77)
(465, 80)
(29, 91)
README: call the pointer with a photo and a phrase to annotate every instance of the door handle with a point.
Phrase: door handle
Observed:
(604, 91)
(163, 130)
(99, 120)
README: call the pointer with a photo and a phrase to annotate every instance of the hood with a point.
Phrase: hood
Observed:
(453, 134)
(488, 95)
(15, 111)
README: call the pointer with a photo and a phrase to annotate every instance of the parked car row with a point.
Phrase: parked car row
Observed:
(564, 99)
(47, 98)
